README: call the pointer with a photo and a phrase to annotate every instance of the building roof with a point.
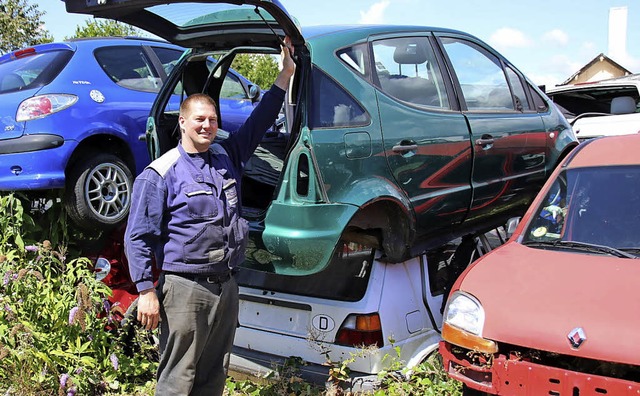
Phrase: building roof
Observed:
(600, 58)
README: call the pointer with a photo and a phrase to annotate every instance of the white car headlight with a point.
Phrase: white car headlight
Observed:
(465, 312)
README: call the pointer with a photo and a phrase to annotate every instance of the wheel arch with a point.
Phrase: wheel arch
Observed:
(385, 222)
(103, 143)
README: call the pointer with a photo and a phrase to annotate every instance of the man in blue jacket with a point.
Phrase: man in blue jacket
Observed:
(185, 213)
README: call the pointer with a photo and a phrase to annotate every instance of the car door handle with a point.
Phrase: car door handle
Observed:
(404, 147)
(484, 141)
(142, 137)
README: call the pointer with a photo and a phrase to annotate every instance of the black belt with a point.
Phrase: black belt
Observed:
(219, 278)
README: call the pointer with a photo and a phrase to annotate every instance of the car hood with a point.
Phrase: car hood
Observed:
(210, 24)
(535, 298)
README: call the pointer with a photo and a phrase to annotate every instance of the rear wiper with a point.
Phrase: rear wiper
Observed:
(590, 247)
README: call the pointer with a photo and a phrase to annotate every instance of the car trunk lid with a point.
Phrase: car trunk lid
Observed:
(208, 24)
(23, 73)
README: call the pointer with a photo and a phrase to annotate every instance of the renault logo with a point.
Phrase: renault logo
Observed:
(576, 337)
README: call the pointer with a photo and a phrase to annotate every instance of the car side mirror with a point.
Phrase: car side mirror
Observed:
(254, 93)
(511, 226)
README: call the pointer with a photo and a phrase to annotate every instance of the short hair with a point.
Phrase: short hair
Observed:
(194, 98)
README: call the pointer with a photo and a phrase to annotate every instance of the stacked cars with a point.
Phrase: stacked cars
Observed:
(395, 141)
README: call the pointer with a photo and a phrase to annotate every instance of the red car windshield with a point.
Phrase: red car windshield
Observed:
(599, 206)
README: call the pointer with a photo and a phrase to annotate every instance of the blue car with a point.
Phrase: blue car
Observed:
(73, 117)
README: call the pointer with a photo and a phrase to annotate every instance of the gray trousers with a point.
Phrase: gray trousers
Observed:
(198, 324)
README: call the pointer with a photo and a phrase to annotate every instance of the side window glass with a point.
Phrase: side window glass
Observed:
(232, 88)
(480, 74)
(406, 69)
(168, 57)
(332, 107)
(128, 67)
(356, 58)
(519, 95)
(538, 101)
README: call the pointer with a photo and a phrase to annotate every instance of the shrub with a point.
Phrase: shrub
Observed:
(57, 335)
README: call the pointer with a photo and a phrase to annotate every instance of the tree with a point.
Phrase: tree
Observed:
(261, 69)
(105, 28)
(21, 25)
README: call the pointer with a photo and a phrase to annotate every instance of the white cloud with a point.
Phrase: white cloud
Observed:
(509, 38)
(375, 13)
(556, 36)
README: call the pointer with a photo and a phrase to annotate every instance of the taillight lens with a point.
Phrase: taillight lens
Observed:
(43, 105)
(360, 330)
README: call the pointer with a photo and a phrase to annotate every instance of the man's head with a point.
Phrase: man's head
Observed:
(198, 123)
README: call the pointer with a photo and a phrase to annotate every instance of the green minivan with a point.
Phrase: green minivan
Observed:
(400, 138)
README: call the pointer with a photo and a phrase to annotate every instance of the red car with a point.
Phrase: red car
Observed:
(554, 311)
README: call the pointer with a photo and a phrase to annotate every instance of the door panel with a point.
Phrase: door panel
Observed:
(508, 136)
(426, 144)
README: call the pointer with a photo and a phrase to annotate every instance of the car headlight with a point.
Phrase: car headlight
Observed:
(465, 312)
(463, 324)
(102, 268)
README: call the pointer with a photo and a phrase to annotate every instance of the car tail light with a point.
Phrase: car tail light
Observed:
(42, 106)
(360, 330)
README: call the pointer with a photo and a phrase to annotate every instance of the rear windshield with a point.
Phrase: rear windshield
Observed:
(32, 71)
(344, 279)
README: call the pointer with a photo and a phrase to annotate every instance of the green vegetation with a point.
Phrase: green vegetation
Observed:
(58, 335)
(106, 28)
(21, 25)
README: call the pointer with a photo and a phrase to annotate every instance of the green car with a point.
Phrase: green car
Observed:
(400, 138)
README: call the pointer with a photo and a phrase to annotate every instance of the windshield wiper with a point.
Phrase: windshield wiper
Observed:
(590, 247)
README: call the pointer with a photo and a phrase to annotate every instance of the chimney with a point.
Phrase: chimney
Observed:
(617, 33)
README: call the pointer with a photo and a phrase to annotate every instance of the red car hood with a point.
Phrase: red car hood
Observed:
(535, 298)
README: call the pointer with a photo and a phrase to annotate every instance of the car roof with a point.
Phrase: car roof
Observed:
(310, 32)
(607, 151)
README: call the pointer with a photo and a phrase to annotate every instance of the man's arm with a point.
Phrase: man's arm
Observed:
(243, 143)
(141, 240)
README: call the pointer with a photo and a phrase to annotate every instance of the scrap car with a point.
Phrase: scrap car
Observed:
(395, 140)
(601, 108)
(74, 116)
(552, 310)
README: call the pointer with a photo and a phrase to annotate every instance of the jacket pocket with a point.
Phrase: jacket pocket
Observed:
(207, 246)
(201, 201)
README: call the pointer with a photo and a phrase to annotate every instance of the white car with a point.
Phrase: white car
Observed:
(603, 108)
(358, 303)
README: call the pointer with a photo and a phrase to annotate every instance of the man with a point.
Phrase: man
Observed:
(185, 213)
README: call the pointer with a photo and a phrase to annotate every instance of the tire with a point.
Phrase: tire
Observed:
(98, 193)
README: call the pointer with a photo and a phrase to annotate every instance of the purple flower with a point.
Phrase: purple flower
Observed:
(71, 391)
(78, 370)
(7, 278)
(114, 361)
(31, 248)
(107, 305)
(63, 380)
(72, 315)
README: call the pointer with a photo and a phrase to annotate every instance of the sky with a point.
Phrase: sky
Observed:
(548, 40)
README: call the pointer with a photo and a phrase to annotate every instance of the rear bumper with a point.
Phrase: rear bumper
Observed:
(34, 162)
(259, 364)
(516, 377)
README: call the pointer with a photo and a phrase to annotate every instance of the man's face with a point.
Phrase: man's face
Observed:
(199, 126)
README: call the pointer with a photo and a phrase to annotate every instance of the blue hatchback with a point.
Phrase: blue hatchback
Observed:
(73, 117)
